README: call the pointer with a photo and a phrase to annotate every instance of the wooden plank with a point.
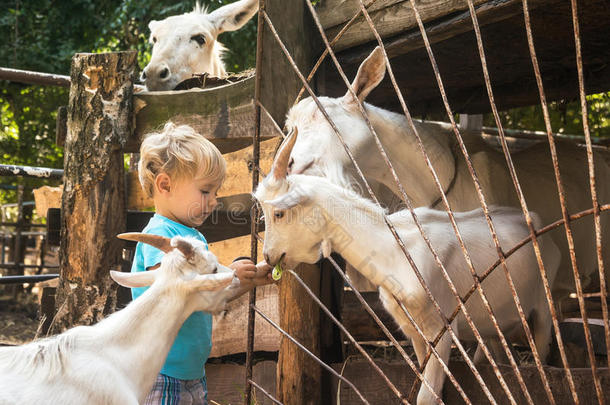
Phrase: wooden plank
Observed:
(228, 249)
(226, 381)
(335, 12)
(359, 371)
(93, 202)
(223, 114)
(239, 167)
(391, 20)
(229, 334)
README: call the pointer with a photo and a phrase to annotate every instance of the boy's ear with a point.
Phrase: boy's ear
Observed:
(163, 183)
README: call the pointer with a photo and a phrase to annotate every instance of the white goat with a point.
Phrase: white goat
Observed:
(307, 217)
(116, 361)
(186, 44)
(318, 151)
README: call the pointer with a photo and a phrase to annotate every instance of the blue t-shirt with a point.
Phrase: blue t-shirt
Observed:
(190, 351)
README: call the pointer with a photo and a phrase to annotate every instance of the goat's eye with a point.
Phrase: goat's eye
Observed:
(199, 38)
(154, 40)
(278, 214)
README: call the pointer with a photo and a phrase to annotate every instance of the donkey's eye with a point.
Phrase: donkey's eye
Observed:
(199, 38)
(278, 214)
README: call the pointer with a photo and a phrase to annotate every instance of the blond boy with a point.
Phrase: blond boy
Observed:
(182, 171)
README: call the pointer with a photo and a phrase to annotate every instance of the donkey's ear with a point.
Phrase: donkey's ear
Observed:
(233, 16)
(370, 74)
(152, 25)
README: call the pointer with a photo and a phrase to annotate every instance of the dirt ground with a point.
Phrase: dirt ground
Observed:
(19, 318)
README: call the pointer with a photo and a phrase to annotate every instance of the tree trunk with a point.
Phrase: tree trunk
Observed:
(100, 119)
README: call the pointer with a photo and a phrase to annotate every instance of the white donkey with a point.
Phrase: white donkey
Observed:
(307, 217)
(186, 44)
(318, 151)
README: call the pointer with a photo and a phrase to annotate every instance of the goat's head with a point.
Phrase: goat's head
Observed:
(187, 43)
(295, 224)
(187, 265)
(318, 151)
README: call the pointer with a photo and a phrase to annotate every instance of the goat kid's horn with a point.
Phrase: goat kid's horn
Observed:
(280, 164)
(160, 242)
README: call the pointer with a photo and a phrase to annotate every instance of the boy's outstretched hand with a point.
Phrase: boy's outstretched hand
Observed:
(249, 273)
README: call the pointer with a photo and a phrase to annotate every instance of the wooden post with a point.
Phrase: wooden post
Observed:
(100, 119)
(298, 376)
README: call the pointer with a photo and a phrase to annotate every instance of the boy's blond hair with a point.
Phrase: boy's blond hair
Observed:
(179, 152)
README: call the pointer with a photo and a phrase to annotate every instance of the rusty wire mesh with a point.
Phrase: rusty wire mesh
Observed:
(460, 307)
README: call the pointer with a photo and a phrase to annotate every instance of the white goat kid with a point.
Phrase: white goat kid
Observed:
(186, 44)
(318, 151)
(117, 360)
(307, 217)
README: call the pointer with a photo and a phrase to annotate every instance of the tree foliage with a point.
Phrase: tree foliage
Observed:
(43, 35)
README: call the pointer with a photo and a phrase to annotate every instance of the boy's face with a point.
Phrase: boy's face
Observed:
(193, 200)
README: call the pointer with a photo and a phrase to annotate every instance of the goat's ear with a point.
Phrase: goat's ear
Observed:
(370, 74)
(288, 200)
(213, 282)
(134, 280)
(184, 246)
(233, 16)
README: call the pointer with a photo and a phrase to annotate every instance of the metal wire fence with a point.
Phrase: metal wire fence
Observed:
(565, 221)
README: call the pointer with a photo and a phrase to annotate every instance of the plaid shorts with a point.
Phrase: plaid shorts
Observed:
(172, 391)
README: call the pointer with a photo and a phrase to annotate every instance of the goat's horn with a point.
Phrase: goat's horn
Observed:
(160, 242)
(280, 164)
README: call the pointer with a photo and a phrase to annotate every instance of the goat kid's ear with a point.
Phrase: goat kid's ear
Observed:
(185, 247)
(213, 282)
(233, 16)
(134, 280)
(288, 200)
(370, 74)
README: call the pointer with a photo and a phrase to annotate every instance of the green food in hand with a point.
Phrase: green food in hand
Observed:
(276, 274)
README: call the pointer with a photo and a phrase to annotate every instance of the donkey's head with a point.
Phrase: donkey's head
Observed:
(187, 43)
(318, 151)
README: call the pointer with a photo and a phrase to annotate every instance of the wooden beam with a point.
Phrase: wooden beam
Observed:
(391, 19)
(299, 377)
(223, 114)
(93, 203)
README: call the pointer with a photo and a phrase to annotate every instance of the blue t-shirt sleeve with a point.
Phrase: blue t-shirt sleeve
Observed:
(148, 256)
(151, 256)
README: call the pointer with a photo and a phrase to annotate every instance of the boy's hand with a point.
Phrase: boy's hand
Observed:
(263, 274)
(251, 274)
(245, 270)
